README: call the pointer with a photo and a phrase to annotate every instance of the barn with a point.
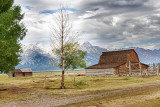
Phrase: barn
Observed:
(118, 63)
(20, 73)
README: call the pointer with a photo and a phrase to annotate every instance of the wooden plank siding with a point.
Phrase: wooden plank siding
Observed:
(117, 63)
(100, 72)
(27, 74)
(20, 73)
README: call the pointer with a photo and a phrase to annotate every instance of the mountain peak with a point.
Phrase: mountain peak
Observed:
(37, 57)
(87, 43)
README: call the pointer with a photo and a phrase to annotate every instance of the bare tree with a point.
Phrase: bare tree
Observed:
(60, 35)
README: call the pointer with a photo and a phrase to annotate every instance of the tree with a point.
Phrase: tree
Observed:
(74, 58)
(61, 39)
(12, 31)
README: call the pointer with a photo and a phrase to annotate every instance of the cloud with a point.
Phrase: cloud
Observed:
(107, 23)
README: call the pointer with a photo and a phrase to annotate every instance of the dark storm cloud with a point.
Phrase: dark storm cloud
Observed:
(114, 4)
(138, 21)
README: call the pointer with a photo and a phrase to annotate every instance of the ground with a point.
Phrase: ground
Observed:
(80, 91)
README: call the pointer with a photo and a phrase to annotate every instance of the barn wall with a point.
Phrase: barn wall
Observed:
(133, 57)
(116, 71)
(123, 70)
(101, 72)
(18, 74)
(144, 66)
(27, 74)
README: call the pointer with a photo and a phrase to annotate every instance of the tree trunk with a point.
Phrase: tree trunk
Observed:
(62, 82)
(62, 48)
(61, 37)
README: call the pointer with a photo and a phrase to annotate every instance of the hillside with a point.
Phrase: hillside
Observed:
(38, 58)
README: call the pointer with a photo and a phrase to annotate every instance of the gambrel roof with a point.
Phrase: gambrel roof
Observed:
(113, 59)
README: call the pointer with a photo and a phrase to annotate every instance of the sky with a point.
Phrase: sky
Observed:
(110, 24)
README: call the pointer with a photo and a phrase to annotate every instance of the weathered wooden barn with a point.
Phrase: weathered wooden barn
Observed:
(116, 63)
(20, 73)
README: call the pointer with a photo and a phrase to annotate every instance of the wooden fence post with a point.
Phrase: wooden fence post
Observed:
(130, 69)
(44, 84)
(154, 69)
(158, 67)
(74, 80)
(140, 69)
(147, 72)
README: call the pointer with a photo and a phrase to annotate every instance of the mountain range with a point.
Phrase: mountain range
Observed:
(36, 57)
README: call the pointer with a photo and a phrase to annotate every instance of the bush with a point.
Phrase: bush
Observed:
(79, 84)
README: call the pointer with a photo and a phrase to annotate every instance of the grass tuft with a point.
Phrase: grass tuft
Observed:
(80, 84)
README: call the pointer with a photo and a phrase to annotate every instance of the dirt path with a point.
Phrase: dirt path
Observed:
(52, 101)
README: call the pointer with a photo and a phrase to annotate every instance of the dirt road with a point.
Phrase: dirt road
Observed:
(52, 101)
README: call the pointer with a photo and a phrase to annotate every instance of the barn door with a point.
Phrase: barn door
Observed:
(13, 74)
(24, 74)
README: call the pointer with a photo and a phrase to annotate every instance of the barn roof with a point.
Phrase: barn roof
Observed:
(112, 59)
(26, 70)
(17, 70)
(115, 56)
(104, 66)
(23, 70)
(117, 52)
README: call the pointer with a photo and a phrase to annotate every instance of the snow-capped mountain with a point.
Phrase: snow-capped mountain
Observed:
(87, 46)
(148, 56)
(93, 52)
(36, 58)
(39, 58)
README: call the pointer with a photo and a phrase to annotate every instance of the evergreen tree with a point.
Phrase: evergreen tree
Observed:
(12, 31)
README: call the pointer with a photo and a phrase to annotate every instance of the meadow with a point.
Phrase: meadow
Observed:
(25, 88)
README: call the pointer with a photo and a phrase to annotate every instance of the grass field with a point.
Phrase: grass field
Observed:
(147, 99)
(32, 87)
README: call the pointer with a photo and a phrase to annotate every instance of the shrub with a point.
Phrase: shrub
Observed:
(80, 84)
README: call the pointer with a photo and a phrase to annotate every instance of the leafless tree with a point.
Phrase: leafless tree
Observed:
(61, 35)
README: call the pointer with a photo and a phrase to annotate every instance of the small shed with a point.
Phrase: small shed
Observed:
(116, 63)
(20, 73)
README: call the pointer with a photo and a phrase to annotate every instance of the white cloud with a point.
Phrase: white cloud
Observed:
(107, 23)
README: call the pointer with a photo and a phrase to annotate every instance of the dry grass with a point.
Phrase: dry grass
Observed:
(145, 98)
(29, 87)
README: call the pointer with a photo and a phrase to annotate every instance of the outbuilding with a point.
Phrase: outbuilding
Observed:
(117, 63)
(20, 73)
